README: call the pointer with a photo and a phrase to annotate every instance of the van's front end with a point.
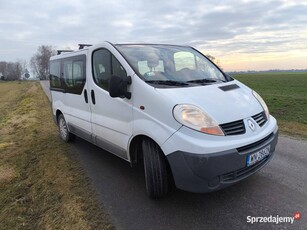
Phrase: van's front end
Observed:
(222, 131)
(227, 134)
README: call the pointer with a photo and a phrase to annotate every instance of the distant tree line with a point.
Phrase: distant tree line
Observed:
(11, 71)
(39, 64)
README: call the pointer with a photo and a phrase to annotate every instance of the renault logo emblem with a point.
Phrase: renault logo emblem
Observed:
(251, 125)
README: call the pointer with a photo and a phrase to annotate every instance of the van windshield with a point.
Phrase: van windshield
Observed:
(171, 65)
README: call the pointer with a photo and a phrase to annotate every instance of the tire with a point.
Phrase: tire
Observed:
(155, 169)
(63, 130)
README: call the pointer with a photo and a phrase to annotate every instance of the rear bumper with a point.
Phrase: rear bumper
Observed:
(203, 173)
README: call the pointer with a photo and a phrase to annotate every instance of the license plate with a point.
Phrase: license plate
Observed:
(253, 158)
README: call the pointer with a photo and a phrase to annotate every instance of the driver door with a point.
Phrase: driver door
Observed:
(111, 117)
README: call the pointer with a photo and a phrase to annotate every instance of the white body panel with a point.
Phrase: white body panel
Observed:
(156, 120)
(77, 111)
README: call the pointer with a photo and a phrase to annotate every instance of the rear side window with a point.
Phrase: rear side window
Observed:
(68, 74)
(104, 66)
(78, 73)
(68, 79)
(74, 74)
(55, 74)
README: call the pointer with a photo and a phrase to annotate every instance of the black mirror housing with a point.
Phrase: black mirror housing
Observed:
(118, 87)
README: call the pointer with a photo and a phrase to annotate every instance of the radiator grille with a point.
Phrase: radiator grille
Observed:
(238, 127)
(260, 118)
(233, 128)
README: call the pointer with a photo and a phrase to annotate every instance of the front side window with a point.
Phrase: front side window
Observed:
(171, 65)
(104, 66)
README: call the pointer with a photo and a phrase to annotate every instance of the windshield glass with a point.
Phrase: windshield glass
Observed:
(160, 64)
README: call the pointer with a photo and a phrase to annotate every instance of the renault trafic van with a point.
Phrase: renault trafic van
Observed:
(167, 107)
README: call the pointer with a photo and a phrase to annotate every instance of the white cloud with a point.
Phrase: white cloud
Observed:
(217, 27)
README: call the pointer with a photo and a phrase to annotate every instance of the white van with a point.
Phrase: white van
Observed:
(167, 107)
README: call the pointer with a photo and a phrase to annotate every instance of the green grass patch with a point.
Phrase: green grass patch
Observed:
(42, 185)
(286, 96)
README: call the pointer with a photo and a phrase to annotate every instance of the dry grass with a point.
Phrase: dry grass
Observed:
(7, 173)
(41, 185)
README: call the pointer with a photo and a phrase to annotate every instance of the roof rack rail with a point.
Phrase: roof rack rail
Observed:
(81, 46)
(62, 51)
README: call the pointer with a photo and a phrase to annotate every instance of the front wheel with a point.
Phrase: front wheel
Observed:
(156, 171)
(63, 129)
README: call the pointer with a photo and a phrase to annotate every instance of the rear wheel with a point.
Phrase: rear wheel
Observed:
(156, 170)
(63, 129)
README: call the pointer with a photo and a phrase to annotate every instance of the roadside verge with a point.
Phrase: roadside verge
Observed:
(42, 185)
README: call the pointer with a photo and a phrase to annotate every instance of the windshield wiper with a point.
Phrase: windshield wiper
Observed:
(168, 82)
(205, 80)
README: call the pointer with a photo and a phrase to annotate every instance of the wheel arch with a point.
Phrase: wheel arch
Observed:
(135, 149)
(57, 114)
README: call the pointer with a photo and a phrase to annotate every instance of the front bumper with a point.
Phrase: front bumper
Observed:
(203, 173)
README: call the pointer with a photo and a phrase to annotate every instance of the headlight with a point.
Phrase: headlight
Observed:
(262, 103)
(194, 118)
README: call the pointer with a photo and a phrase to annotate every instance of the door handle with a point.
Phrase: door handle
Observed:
(85, 96)
(93, 97)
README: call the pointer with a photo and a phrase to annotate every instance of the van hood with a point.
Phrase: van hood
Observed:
(225, 102)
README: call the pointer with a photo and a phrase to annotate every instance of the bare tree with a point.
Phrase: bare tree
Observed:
(213, 59)
(40, 60)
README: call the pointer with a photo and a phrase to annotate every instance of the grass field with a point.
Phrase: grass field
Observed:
(286, 96)
(42, 185)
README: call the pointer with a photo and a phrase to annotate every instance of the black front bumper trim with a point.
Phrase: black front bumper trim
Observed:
(209, 172)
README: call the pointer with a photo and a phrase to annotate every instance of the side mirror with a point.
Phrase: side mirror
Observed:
(118, 86)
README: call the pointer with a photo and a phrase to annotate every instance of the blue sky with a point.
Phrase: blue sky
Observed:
(241, 34)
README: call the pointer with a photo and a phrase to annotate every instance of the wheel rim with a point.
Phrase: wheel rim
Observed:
(63, 128)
